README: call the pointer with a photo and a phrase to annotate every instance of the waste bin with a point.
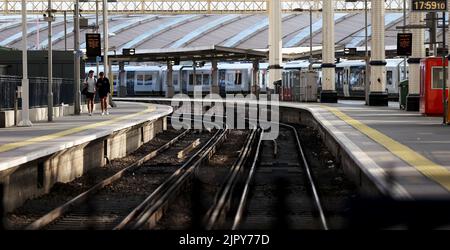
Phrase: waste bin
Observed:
(403, 93)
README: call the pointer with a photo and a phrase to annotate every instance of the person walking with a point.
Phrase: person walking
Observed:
(104, 88)
(90, 82)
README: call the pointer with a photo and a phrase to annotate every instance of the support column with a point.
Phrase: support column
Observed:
(122, 83)
(255, 79)
(275, 44)
(328, 94)
(378, 95)
(418, 52)
(170, 90)
(25, 121)
(214, 78)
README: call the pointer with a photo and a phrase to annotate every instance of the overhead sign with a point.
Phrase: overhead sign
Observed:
(93, 45)
(128, 51)
(429, 5)
(404, 44)
(350, 51)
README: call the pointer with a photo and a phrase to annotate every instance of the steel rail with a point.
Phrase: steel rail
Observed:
(225, 194)
(134, 216)
(83, 197)
(310, 178)
(160, 197)
(243, 201)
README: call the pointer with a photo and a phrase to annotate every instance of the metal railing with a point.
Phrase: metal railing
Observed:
(62, 91)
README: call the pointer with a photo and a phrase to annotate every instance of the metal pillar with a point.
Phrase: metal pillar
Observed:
(65, 30)
(255, 79)
(275, 44)
(366, 58)
(25, 121)
(105, 37)
(50, 65)
(328, 94)
(378, 95)
(311, 33)
(96, 30)
(194, 75)
(444, 72)
(170, 90)
(214, 78)
(77, 54)
(418, 52)
(122, 83)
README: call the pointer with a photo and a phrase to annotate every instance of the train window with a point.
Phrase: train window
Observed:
(263, 82)
(238, 78)
(140, 79)
(230, 78)
(148, 80)
(198, 79)
(115, 77)
(356, 76)
(175, 79)
(130, 78)
(191, 78)
(389, 77)
(437, 76)
(206, 79)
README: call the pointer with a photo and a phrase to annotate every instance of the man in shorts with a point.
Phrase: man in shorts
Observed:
(103, 88)
(89, 83)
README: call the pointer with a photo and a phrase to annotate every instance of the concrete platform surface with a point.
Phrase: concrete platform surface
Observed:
(405, 154)
(19, 145)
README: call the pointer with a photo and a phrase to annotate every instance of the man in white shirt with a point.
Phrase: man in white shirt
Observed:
(89, 84)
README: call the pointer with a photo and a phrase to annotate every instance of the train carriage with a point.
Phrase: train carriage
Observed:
(236, 78)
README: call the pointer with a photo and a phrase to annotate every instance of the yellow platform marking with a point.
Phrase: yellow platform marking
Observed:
(434, 171)
(14, 145)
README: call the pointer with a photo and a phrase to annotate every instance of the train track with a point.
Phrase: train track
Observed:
(105, 204)
(182, 203)
(279, 191)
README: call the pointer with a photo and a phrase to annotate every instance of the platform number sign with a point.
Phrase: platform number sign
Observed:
(429, 5)
(93, 45)
(404, 44)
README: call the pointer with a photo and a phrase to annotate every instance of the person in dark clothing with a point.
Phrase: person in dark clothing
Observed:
(103, 89)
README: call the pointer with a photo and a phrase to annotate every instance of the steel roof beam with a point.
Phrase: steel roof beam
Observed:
(252, 31)
(202, 30)
(159, 30)
(190, 6)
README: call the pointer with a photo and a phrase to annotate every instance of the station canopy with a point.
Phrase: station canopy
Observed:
(201, 53)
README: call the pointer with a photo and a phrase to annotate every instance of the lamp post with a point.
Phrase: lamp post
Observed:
(310, 35)
(105, 37)
(77, 94)
(25, 121)
(310, 30)
(50, 18)
(366, 55)
(96, 29)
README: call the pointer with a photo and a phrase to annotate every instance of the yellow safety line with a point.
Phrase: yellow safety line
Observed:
(436, 172)
(14, 145)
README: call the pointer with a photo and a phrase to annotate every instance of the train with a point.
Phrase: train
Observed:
(236, 78)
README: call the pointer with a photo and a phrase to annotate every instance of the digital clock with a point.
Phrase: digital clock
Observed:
(429, 5)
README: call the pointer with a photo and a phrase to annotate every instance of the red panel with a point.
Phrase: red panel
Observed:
(430, 99)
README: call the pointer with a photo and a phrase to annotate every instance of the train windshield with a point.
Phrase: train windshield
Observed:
(357, 76)
(389, 78)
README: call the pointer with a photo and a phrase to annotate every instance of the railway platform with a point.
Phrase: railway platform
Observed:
(32, 159)
(403, 155)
